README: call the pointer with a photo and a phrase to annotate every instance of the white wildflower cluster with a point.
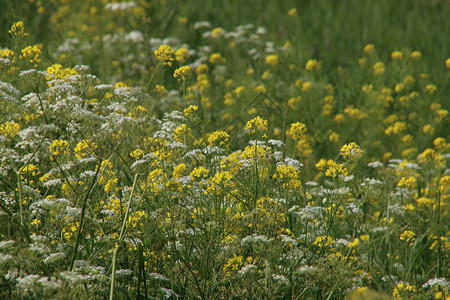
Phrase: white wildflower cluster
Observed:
(255, 239)
(121, 6)
(9, 92)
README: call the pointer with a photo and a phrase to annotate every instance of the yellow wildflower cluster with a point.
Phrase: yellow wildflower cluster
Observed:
(58, 147)
(407, 182)
(84, 148)
(271, 60)
(18, 29)
(289, 175)
(323, 241)
(351, 150)
(32, 53)
(297, 131)
(165, 54)
(57, 71)
(312, 65)
(181, 55)
(256, 124)
(9, 129)
(219, 137)
(216, 58)
(336, 169)
(182, 73)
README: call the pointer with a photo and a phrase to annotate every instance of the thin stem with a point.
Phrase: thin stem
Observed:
(83, 212)
(153, 76)
(121, 237)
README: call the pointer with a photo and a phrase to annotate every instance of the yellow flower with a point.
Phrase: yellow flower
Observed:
(256, 124)
(181, 54)
(333, 137)
(199, 172)
(292, 12)
(428, 128)
(220, 137)
(285, 171)
(351, 150)
(58, 146)
(312, 65)
(56, 71)
(189, 110)
(18, 29)
(354, 243)
(216, 58)
(233, 263)
(160, 89)
(138, 153)
(323, 241)
(369, 48)
(165, 54)
(447, 63)
(179, 170)
(271, 60)
(183, 20)
(292, 102)
(306, 86)
(182, 73)
(217, 32)
(396, 55)
(378, 68)
(261, 89)
(415, 55)
(408, 236)
(430, 88)
(364, 237)
(336, 169)
(32, 52)
(407, 182)
(297, 130)
(201, 69)
(9, 129)
(83, 148)
(182, 133)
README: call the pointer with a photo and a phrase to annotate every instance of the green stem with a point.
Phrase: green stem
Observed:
(121, 237)
(153, 76)
(83, 212)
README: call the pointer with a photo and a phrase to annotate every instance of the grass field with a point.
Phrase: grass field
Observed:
(235, 150)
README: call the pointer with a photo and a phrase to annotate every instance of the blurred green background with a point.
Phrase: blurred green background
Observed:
(332, 31)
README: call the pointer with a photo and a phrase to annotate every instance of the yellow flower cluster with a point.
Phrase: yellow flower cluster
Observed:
(32, 53)
(219, 137)
(181, 55)
(57, 71)
(18, 29)
(271, 60)
(323, 241)
(182, 73)
(9, 129)
(336, 169)
(297, 131)
(165, 54)
(312, 65)
(351, 150)
(83, 148)
(256, 124)
(407, 182)
(216, 58)
(57, 147)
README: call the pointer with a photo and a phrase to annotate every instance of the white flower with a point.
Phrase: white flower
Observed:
(6, 244)
(54, 257)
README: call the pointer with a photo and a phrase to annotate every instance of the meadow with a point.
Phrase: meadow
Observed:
(254, 149)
